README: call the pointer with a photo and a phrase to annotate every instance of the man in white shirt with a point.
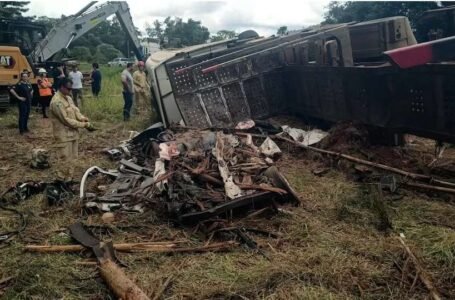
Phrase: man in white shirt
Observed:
(76, 77)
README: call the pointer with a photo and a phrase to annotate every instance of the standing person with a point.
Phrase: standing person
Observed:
(128, 91)
(96, 80)
(142, 95)
(45, 90)
(66, 121)
(58, 74)
(76, 76)
(23, 91)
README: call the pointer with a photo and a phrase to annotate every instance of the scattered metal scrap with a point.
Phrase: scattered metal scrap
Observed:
(57, 192)
(192, 175)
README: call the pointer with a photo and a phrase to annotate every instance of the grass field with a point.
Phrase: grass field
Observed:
(108, 107)
(331, 247)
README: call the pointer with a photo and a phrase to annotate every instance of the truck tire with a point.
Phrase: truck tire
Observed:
(4, 100)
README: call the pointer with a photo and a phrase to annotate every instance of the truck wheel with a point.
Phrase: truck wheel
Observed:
(4, 100)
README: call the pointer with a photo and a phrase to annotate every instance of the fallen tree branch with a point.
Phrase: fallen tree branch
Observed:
(262, 188)
(6, 280)
(113, 275)
(50, 211)
(414, 176)
(87, 263)
(430, 187)
(119, 247)
(135, 247)
(162, 288)
(423, 275)
(202, 176)
(120, 284)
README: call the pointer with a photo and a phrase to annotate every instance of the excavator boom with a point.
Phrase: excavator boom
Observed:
(73, 27)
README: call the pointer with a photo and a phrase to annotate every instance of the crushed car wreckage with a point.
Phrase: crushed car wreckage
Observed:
(192, 175)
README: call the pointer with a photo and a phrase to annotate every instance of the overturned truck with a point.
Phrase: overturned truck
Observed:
(372, 72)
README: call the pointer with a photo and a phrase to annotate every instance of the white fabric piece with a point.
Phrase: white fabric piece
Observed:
(168, 150)
(245, 124)
(306, 138)
(269, 148)
(269, 161)
(249, 143)
(160, 169)
(231, 189)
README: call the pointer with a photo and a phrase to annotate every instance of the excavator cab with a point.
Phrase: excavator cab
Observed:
(18, 37)
(21, 33)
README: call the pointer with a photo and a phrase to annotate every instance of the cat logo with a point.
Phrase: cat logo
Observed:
(6, 61)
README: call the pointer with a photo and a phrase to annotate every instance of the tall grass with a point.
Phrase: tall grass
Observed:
(108, 106)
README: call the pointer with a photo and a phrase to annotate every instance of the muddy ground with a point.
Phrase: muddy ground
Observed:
(333, 246)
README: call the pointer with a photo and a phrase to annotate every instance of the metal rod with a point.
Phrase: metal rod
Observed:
(73, 35)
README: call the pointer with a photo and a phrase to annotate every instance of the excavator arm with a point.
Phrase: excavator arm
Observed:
(75, 26)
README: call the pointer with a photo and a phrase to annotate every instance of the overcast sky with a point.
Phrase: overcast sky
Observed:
(263, 16)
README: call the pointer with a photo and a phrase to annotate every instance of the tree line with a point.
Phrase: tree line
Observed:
(108, 41)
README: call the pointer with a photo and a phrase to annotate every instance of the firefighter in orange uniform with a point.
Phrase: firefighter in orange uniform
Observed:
(45, 90)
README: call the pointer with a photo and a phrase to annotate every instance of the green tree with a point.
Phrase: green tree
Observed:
(282, 30)
(81, 54)
(155, 32)
(105, 53)
(175, 33)
(47, 22)
(223, 35)
(13, 9)
(106, 33)
(343, 12)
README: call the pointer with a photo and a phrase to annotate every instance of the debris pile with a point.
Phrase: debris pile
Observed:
(56, 193)
(191, 175)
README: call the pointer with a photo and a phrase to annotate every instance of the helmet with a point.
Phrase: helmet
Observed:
(140, 63)
(40, 159)
(42, 70)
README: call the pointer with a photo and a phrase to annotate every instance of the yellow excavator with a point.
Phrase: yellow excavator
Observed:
(12, 62)
(14, 59)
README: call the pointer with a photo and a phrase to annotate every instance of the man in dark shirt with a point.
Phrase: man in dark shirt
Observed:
(23, 92)
(58, 74)
(96, 80)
